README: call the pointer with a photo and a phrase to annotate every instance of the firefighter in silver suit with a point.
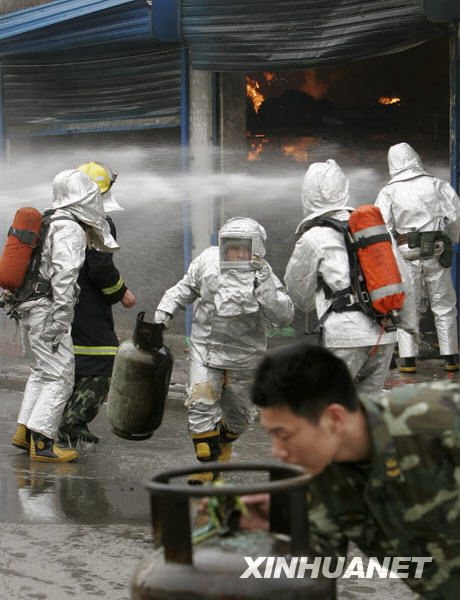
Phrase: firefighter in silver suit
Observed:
(423, 214)
(237, 298)
(319, 268)
(46, 316)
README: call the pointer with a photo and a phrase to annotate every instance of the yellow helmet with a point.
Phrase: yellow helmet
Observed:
(100, 174)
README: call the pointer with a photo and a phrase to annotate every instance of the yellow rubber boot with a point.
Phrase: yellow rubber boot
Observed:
(200, 478)
(207, 449)
(226, 439)
(21, 439)
(43, 449)
(225, 452)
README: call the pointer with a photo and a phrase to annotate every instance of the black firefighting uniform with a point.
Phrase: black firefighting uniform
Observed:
(93, 334)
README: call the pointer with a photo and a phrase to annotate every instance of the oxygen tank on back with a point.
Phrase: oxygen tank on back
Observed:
(22, 239)
(140, 382)
(377, 261)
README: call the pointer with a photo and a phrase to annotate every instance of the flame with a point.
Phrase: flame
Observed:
(313, 85)
(256, 148)
(269, 77)
(387, 100)
(299, 149)
(252, 91)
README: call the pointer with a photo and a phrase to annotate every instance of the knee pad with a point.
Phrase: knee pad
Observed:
(206, 445)
(226, 436)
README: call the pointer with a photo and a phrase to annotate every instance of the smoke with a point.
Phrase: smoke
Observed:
(156, 191)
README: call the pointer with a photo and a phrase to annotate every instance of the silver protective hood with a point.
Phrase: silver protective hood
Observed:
(74, 191)
(110, 202)
(241, 231)
(404, 163)
(324, 190)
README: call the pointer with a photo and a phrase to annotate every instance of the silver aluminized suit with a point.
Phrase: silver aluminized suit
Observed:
(46, 321)
(233, 310)
(320, 254)
(414, 201)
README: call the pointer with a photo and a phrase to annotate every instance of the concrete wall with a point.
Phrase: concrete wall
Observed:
(201, 210)
(232, 122)
(230, 154)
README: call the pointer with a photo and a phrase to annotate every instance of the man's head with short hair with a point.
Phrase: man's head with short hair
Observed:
(306, 378)
(309, 405)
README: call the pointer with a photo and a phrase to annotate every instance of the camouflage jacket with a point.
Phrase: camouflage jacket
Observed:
(406, 501)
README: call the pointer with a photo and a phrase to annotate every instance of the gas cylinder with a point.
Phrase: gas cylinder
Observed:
(214, 569)
(140, 382)
(378, 263)
(22, 238)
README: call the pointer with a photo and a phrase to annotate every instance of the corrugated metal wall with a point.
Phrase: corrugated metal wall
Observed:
(112, 87)
(123, 23)
(298, 34)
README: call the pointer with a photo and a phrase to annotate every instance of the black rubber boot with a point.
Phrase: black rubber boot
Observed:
(75, 434)
(85, 435)
(450, 362)
(407, 364)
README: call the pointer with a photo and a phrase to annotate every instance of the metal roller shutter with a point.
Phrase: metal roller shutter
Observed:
(298, 34)
(111, 87)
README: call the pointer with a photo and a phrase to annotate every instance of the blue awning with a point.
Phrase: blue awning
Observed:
(74, 23)
(43, 15)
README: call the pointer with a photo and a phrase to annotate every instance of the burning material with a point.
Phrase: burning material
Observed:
(299, 149)
(253, 92)
(313, 85)
(386, 100)
(256, 147)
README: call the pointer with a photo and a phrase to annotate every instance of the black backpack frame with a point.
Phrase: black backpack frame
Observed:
(35, 286)
(356, 296)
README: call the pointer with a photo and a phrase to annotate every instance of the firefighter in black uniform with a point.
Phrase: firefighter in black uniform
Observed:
(93, 332)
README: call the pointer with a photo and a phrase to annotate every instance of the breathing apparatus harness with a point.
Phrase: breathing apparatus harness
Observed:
(34, 286)
(355, 297)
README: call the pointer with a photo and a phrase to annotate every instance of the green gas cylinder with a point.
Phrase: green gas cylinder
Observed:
(140, 382)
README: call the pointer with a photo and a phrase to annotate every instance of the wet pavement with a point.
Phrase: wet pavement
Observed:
(79, 530)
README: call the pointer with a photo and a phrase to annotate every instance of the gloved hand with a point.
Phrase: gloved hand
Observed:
(263, 269)
(54, 332)
(162, 317)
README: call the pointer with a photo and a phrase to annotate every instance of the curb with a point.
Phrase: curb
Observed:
(15, 380)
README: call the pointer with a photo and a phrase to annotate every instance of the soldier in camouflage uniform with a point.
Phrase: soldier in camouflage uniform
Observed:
(386, 474)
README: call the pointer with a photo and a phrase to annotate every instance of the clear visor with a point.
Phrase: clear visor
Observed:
(112, 174)
(236, 252)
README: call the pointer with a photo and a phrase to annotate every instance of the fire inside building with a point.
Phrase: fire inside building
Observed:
(373, 102)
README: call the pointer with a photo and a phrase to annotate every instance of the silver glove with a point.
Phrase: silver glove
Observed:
(162, 317)
(54, 332)
(263, 269)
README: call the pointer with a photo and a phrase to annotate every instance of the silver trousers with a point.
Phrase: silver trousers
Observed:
(430, 279)
(50, 383)
(215, 394)
(368, 370)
